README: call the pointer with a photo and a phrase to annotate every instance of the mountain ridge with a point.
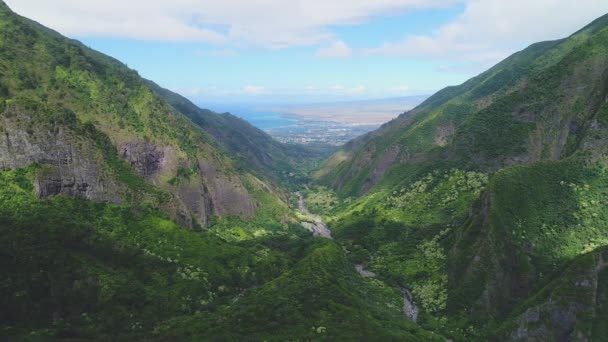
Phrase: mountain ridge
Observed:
(128, 213)
(496, 185)
(478, 91)
(142, 126)
(122, 219)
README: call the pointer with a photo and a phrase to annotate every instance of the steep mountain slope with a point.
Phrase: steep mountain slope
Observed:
(488, 201)
(83, 270)
(77, 269)
(104, 133)
(97, 172)
(256, 148)
(538, 104)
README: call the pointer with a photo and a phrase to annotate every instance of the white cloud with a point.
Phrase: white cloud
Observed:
(338, 49)
(273, 24)
(489, 30)
(485, 32)
(254, 90)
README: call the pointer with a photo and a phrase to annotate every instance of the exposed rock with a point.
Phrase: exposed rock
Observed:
(314, 223)
(363, 272)
(197, 202)
(70, 165)
(228, 195)
(443, 133)
(144, 157)
(385, 162)
(558, 316)
(409, 308)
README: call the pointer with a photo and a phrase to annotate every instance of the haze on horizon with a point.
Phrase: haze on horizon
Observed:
(312, 51)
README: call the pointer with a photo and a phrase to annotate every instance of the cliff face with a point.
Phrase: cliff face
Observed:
(55, 92)
(73, 166)
(570, 309)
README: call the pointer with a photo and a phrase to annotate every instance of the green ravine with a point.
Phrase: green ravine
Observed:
(127, 213)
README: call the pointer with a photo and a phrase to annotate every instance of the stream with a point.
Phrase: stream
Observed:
(315, 224)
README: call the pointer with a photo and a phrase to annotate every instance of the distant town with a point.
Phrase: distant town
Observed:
(319, 132)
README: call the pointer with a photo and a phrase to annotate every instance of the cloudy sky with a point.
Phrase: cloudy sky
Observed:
(310, 50)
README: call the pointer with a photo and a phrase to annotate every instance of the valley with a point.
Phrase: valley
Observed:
(130, 213)
(308, 132)
(329, 124)
(314, 223)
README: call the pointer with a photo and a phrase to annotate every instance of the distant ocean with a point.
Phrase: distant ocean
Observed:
(261, 119)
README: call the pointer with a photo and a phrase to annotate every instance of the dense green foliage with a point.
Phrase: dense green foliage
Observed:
(321, 298)
(487, 203)
(321, 200)
(92, 270)
(99, 101)
(488, 200)
(79, 269)
(520, 110)
(103, 271)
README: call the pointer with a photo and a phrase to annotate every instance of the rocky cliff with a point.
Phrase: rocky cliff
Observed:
(55, 92)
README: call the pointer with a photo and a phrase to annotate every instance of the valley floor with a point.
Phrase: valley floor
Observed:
(317, 226)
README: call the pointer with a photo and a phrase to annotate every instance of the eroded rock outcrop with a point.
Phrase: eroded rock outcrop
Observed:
(70, 164)
(144, 157)
(202, 194)
(566, 310)
(228, 195)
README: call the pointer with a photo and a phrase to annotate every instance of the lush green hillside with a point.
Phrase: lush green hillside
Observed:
(107, 135)
(488, 200)
(539, 104)
(289, 164)
(77, 269)
(126, 213)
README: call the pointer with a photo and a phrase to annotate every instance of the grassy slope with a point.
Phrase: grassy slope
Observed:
(68, 86)
(513, 113)
(483, 250)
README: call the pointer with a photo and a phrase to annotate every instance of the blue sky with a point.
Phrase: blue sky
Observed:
(293, 51)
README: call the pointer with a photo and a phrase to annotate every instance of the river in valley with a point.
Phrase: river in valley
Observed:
(315, 224)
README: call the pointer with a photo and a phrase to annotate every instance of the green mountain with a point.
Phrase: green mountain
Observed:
(127, 213)
(101, 132)
(536, 105)
(255, 148)
(489, 199)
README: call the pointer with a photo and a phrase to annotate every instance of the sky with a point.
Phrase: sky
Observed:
(299, 51)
